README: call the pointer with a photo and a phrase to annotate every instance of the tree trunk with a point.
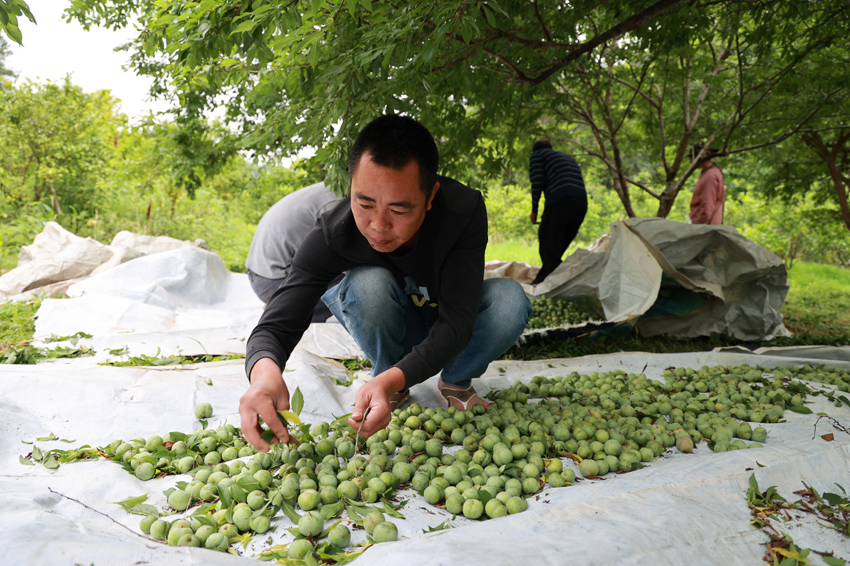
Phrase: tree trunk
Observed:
(668, 197)
(830, 158)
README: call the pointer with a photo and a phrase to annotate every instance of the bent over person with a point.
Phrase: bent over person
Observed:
(557, 176)
(281, 230)
(412, 246)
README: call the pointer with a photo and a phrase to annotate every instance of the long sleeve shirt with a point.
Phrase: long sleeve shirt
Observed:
(709, 198)
(555, 174)
(446, 265)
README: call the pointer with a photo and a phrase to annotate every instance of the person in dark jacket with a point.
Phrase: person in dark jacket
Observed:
(412, 246)
(557, 176)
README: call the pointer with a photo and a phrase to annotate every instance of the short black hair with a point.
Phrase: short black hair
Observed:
(393, 141)
(542, 144)
(712, 152)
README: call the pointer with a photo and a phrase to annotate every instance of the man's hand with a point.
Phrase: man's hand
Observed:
(375, 394)
(533, 217)
(266, 395)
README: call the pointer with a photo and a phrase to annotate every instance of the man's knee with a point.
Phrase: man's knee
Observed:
(368, 288)
(506, 305)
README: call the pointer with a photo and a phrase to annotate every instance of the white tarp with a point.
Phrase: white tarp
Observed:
(738, 288)
(182, 301)
(682, 509)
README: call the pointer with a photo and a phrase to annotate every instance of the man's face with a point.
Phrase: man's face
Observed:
(388, 205)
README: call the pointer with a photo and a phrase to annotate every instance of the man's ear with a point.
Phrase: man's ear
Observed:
(433, 192)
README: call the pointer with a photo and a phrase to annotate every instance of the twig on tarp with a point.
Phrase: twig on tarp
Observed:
(102, 513)
(834, 422)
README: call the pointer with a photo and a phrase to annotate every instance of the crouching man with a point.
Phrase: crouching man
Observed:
(413, 298)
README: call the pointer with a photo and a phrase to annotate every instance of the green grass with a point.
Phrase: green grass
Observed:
(18, 323)
(512, 250)
(819, 300)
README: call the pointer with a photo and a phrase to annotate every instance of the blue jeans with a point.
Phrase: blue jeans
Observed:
(371, 305)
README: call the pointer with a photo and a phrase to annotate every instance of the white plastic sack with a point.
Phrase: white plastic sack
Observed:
(630, 269)
(55, 255)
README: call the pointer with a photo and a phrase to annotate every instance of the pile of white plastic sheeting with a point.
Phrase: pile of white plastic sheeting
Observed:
(670, 278)
(57, 259)
(681, 509)
(182, 301)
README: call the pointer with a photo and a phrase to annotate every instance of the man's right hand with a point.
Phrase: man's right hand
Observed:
(533, 217)
(266, 395)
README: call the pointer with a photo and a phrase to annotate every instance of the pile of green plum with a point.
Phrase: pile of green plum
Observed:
(477, 463)
(554, 313)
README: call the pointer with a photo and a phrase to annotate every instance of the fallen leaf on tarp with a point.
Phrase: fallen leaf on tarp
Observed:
(828, 437)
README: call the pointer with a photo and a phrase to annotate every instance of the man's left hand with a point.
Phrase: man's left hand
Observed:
(375, 394)
(533, 217)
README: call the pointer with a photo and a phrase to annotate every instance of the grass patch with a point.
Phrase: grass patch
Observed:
(819, 300)
(512, 250)
(18, 324)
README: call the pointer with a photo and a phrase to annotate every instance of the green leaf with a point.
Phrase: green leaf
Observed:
(50, 463)
(288, 417)
(248, 483)
(131, 501)
(247, 25)
(297, 403)
(224, 496)
(441, 527)
(144, 509)
(759, 465)
(25, 461)
(367, 4)
(290, 512)
(800, 410)
(208, 381)
(51, 436)
(237, 492)
(753, 482)
(484, 496)
(333, 510)
(834, 499)
(833, 561)
(14, 33)
(354, 515)
(37, 454)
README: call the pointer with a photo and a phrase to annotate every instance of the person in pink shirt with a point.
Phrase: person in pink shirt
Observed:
(707, 204)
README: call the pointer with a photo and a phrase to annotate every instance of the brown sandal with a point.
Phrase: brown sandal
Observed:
(397, 400)
(463, 396)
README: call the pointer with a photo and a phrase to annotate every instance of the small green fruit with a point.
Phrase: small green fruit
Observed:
(179, 500)
(203, 411)
(473, 509)
(260, 524)
(189, 540)
(385, 532)
(242, 518)
(159, 529)
(300, 548)
(204, 532)
(145, 471)
(311, 523)
(146, 523)
(372, 519)
(339, 536)
(217, 541)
